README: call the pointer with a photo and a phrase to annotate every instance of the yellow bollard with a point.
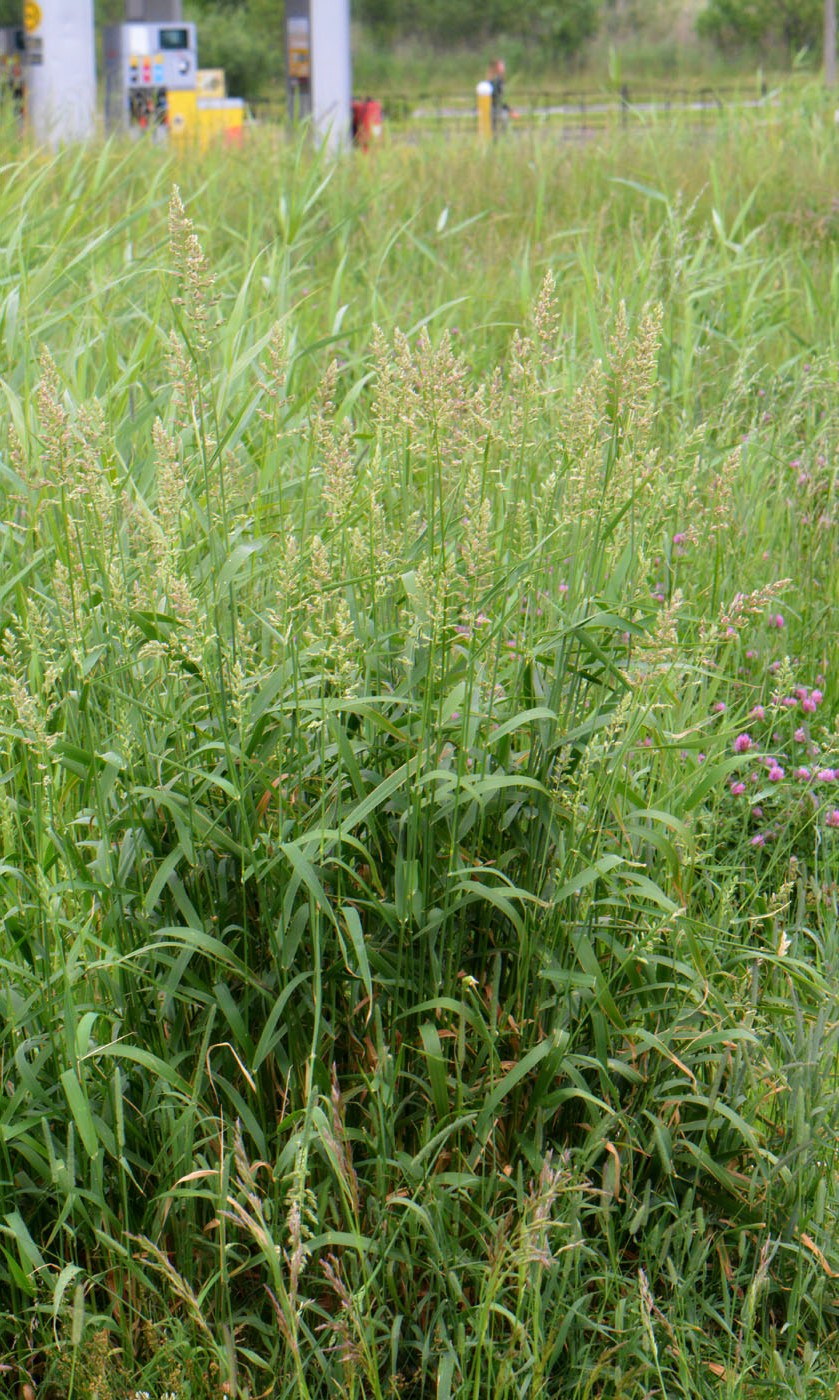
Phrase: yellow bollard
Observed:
(484, 91)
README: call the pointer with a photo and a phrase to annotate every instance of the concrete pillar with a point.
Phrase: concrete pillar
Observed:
(331, 70)
(60, 70)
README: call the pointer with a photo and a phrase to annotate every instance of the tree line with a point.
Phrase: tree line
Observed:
(245, 37)
(564, 25)
(560, 27)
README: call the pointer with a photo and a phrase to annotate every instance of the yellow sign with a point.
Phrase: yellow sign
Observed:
(31, 16)
(209, 82)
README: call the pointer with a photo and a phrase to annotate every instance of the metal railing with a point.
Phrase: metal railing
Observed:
(583, 106)
(587, 109)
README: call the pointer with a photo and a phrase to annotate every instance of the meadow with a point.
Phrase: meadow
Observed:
(419, 958)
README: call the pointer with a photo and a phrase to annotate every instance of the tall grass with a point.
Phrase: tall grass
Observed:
(420, 829)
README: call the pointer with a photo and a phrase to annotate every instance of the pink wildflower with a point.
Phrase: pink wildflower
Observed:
(737, 789)
(758, 839)
(775, 773)
(742, 743)
(803, 775)
(833, 817)
(757, 713)
(800, 737)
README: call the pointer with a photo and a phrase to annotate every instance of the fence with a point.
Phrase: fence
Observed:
(560, 108)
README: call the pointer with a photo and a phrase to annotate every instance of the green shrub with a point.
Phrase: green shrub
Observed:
(250, 58)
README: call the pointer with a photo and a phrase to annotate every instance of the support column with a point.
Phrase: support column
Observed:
(331, 70)
(60, 70)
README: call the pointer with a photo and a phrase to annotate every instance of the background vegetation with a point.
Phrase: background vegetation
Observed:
(419, 884)
(403, 47)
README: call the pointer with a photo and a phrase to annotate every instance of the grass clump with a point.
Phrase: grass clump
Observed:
(420, 836)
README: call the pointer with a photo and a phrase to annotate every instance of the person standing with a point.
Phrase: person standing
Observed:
(500, 111)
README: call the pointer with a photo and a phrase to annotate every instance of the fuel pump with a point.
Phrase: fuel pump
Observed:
(298, 59)
(12, 54)
(150, 76)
